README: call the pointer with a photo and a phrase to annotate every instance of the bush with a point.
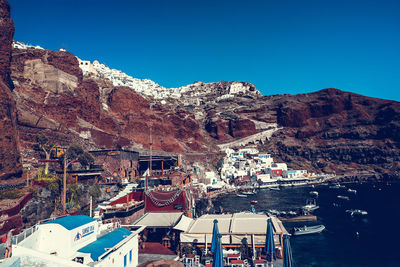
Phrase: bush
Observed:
(10, 194)
(94, 191)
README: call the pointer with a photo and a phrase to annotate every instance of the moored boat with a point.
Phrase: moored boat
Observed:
(240, 195)
(249, 192)
(307, 230)
(357, 212)
(254, 202)
(343, 197)
(311, 205)
(314, 193)
(337, 186)
(352, 191)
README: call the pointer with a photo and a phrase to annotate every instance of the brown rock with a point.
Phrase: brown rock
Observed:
(6, 37)
(9, 155)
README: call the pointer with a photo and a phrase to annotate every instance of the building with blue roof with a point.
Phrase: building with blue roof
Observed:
(72, 222)
(77, 240)
(105, 243)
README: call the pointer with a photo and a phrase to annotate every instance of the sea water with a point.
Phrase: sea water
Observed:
(371, 240)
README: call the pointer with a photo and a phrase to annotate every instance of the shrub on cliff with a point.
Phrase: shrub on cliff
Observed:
(10, 194)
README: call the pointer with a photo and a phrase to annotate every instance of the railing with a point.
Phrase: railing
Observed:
(16, 239)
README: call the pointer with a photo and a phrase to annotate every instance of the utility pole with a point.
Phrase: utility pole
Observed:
(91, 206)
(151, 151)
(64, 198)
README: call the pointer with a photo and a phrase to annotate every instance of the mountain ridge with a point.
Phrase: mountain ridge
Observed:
(328, 130)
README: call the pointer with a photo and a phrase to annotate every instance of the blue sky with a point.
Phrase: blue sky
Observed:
(281, 46)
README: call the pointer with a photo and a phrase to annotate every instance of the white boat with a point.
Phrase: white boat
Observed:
(314, 193)
(249, 192)
(352, 191)
(311, 205)
(343, 197)
(274, 188)
(357, 212)
(240, 195)
(307, 230)
(274, 212)
(337, 186)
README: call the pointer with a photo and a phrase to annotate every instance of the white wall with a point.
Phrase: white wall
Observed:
(117, 257)
(53, 237)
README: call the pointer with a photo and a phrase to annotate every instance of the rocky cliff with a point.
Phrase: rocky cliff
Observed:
(10, 165)
(53, 96)
(329, 130)
(338, 132)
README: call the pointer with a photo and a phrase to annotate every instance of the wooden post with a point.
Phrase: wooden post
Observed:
(162, 168)
(76, 179)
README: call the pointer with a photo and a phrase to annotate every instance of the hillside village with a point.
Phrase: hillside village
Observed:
(249, 167)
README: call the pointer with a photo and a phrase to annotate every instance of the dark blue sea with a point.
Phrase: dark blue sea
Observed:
(378, 241)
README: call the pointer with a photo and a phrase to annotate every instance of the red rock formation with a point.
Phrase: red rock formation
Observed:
(171, 131)
(6, 37)
(9, 155)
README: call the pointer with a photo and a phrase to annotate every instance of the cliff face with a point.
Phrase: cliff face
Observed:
(10, 165)
(339, 131)
(329, 130)
(55, 98)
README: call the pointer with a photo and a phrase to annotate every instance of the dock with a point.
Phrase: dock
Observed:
(303, 218)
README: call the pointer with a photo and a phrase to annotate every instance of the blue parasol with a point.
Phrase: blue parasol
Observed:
(287, 252)
(215, 233)
(270, 243)
(218, 257)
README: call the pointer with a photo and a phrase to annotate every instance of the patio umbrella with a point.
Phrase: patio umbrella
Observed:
(270, 243)
(287, 252)
(218, 257)
(215, 233)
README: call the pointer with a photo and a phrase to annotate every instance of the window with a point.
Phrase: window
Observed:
(125, 260)
(130, 256)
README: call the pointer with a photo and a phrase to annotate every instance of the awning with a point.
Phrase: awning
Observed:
(160, 219)
(184, 224)
(233, 227)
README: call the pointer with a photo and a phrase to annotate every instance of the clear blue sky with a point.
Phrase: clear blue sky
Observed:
(281, 46)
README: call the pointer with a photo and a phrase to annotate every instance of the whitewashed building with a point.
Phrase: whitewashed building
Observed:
(76, 241)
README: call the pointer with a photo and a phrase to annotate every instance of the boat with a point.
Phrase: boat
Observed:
(343, 197)
(337, 186)
(307, 230)
(249, 193)
(311, 205)
(357, 212)
(352, 191)
(240, 195)
(314, 193)
(254, 202)
(274, 212)
(292, 213)
(274, 188)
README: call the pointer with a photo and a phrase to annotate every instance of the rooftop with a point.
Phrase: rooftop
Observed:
(100, 246)
(72, 222)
